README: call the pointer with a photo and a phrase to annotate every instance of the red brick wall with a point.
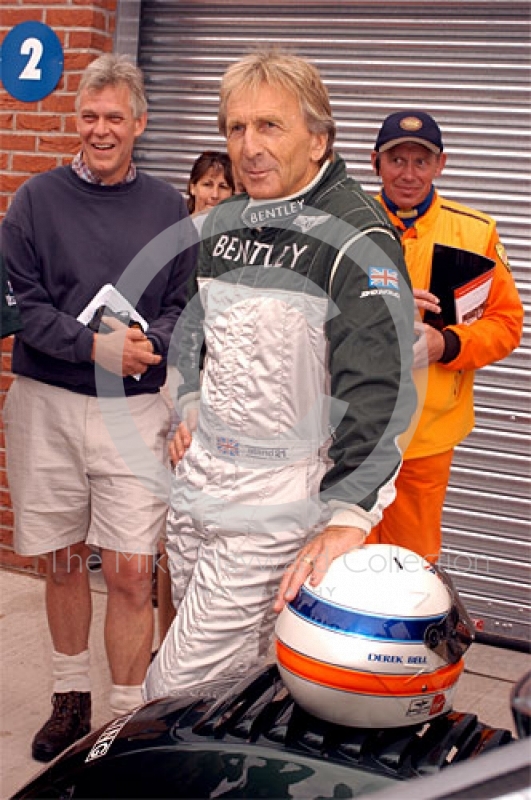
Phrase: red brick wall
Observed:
(39, 136)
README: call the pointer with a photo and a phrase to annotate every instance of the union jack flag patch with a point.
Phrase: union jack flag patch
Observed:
(229, 447)
(383, 278)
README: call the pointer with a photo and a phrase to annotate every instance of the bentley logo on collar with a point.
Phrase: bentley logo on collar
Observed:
(306, 223)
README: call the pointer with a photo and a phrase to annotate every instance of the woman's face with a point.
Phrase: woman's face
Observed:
(210, 190)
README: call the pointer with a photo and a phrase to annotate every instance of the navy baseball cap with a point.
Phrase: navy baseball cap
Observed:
(409, 126)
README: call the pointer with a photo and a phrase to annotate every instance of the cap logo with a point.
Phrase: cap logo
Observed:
(410, 124)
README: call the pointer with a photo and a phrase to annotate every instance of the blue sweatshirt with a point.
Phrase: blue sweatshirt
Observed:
(63, 239)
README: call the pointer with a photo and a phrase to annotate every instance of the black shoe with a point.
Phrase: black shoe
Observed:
(70, 721)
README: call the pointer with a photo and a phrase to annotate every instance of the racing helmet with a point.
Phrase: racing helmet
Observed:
(379, 643)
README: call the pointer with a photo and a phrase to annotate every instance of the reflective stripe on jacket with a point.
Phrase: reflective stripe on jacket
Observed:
(447, 415)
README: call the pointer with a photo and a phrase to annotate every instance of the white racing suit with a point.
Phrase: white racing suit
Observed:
(306, 315)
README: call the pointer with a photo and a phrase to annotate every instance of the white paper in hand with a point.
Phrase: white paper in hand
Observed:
(109, 296)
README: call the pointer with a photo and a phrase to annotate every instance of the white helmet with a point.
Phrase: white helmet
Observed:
(378, 644)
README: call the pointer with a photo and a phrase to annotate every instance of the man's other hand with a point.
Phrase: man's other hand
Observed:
(183, 437)
(426, 300)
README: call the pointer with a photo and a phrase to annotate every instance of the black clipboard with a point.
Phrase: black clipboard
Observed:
(452, 268)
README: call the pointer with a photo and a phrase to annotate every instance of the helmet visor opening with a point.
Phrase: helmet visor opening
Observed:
(453, 635)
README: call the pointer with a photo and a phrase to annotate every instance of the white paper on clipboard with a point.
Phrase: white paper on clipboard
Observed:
(471, 298)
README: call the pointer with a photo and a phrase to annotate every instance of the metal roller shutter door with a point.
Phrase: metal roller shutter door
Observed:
(468, 64)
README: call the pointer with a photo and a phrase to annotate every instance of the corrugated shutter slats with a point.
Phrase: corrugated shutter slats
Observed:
(467, 63)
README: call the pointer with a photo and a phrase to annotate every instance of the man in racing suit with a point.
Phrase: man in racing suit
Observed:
(296, 379)
(408, 156)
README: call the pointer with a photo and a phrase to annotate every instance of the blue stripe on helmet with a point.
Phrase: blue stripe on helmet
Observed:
(344, 620)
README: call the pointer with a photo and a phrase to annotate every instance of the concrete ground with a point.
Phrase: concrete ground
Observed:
(25, 685)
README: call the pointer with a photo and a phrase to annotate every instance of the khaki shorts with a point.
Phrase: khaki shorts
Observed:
(85, 469)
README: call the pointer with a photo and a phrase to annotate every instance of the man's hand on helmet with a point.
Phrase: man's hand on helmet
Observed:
(315, 558)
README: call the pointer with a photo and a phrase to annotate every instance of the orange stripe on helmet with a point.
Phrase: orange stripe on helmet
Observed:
(350, 680)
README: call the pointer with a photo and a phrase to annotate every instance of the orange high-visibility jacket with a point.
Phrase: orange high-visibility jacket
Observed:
(445, 414)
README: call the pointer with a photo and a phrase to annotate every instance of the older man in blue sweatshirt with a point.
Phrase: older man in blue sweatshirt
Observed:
(86, 424)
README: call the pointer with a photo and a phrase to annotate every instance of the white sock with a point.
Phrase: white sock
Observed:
(124, 698)
(71, 673)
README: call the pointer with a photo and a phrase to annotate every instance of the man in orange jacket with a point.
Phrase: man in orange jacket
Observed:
(408, 156)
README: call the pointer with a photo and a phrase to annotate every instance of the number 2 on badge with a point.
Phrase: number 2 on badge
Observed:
(33, 48)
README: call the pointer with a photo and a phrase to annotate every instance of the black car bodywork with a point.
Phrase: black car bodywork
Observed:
(254, 743)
